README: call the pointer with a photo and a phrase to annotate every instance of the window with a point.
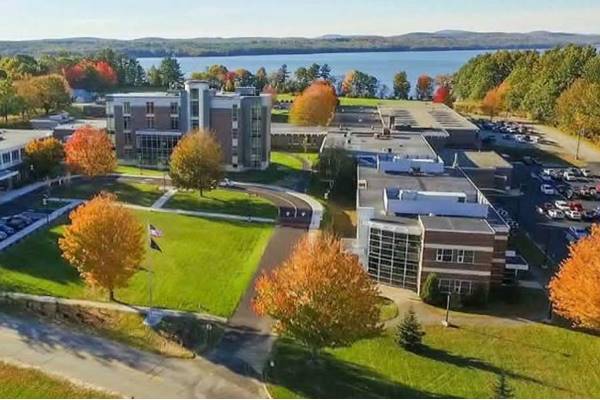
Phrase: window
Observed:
(126, 123)
(174, 108)
(443, 255)
(234, 113)
(195, 94)
(6, 158)
(149, 107)
(127, 108)
(15, 155)
(234, 151)
(234, 133)
(195, 124)
(195, 110)
(128, 138)
(465, 256)
(150, 122)
(174, 122)
(455, 286)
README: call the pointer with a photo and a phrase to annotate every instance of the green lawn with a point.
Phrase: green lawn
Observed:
(347, 101)
(539, 361)
(206, 265)
(28, 383)
(283, 164)
(133, 170)
(223, 201)
(142, 194)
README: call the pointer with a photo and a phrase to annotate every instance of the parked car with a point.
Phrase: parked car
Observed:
(546, 178)
(589, 215)
(547, 189)
(556, 214)
(562, 205)
(544, 208)
(574, 234)
(569, 177)
(3, 235)
(7, 229)
(576, 206)
(573, 215)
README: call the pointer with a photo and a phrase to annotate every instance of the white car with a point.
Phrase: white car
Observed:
(573, 215)
(546, 178)
(556, 214)
(547, 189)
(585, 172)
(562, 205)
(569, 177)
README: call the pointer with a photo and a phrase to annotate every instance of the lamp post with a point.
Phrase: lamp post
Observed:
(446, 321)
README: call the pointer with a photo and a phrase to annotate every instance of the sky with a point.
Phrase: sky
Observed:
(128, 19)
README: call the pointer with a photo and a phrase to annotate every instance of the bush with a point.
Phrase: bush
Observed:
(430, 292)
(478, 298)
(409, 333)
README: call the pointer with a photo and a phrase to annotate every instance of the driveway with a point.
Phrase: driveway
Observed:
(116, 367)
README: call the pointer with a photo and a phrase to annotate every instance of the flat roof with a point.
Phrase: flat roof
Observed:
(452, 180)
(424, 115)
(482, 159)
(455, 224)
(356, 117)
(79, 123)
(142, 94)
(409, 145)
(10, 138)
(280, 128)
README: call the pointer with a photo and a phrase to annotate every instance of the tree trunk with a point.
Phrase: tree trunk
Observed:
(201, 192)
(111, 295)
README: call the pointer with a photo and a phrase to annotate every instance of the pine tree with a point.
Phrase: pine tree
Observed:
(502, 389)
(409, 334)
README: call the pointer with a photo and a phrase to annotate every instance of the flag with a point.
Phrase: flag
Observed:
(154, 232)
(155, 246)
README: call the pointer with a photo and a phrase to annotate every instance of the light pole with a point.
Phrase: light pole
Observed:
(446, 321)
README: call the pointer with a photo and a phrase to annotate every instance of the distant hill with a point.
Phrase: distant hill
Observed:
(442, 40)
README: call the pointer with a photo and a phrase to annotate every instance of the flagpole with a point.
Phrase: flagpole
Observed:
(150, 272)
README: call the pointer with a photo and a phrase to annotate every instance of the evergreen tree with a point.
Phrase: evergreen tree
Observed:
(409, 333)
(170, 72)
(502, 390)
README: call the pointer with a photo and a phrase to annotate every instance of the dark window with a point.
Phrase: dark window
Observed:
(149, 107)
(15, 155)
(174, 108)
(126, 123)
(174, 122)
(150, 122)
(6, 158)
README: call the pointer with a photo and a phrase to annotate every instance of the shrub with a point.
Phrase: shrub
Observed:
(409, 333)
(477, 298)
(430, 292)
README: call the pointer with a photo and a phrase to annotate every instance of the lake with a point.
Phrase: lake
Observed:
(381, 65)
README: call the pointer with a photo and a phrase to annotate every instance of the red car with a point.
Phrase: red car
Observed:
(576, 207)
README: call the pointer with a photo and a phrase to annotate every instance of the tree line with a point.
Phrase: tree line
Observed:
(559, 86)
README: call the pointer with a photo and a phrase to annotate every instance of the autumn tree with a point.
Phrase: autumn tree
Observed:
(91, 75)
(401, 85)
(575, 289)
(43, 156)
(272, 91)
(442, 95)
(578, 109)
(315, 106)
(89, 151)
(105, 242)
(494, 100)
(321, 295)
(50, 92)
(424, 88)
(359, 84)
(8, 98)
(196, 162)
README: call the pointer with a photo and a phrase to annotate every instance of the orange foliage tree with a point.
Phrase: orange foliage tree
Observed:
(575, 289)
(105, 242)
(196, 162)
(320, 296)
(43, 156)
(424, 88)
(272, 91)
(90, 152)
(494, 100)
(315, 106)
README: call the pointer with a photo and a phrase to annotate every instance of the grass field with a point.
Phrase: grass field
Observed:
(223, 201)
(283, 164)
(133, 170)
(27, 383)
(204, 265)
(142, 194)
(539, 361)
(346, 101)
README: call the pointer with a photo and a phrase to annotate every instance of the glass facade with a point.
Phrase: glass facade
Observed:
(393, 257)
(153, 149)
(256, 136)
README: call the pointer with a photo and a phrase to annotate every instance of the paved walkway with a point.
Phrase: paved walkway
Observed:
(164, 198)
(116, 367)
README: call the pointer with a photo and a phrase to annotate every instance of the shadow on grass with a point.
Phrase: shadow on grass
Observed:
(38, 256)
(333, 378)
(211, 203)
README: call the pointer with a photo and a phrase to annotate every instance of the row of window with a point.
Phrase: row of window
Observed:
(455, 256)
(455, 286)
(173, 107)
(12, 156)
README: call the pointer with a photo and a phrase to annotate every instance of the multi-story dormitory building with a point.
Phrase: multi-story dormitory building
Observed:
(146, 126)
(416, 215)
